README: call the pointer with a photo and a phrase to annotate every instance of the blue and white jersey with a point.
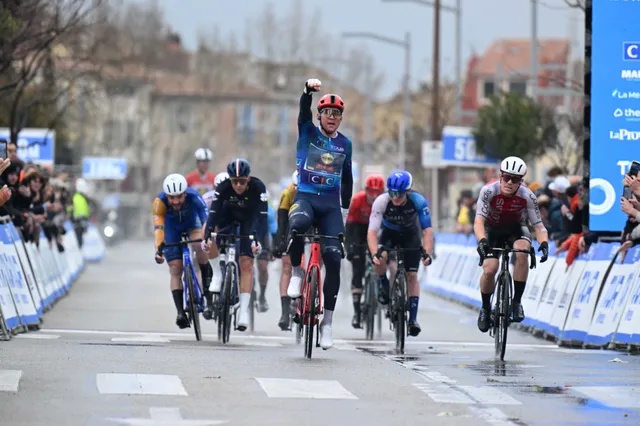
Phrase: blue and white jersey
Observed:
(412, 215)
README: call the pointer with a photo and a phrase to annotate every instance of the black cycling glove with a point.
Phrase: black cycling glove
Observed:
(483, 249)
(544, 248)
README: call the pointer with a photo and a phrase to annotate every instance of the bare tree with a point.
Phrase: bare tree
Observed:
(42, 34)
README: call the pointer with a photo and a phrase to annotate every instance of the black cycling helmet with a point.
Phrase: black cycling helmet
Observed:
(239, 168)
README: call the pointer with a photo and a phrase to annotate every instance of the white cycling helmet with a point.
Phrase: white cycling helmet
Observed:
(203, 154)
(513, 166)
(220, 177)
(294, 178)
(174, 184)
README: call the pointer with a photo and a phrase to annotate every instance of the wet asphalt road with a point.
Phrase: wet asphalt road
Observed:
(110, 354)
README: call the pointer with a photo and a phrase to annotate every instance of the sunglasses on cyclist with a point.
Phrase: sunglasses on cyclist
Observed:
(329, 112)
(397, 194)
(239, 181)
(509, 178)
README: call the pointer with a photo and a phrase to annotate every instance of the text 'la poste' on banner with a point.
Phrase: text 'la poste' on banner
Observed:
(34, 145)
(615, 112)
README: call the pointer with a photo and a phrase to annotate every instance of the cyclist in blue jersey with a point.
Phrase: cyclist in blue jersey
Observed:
(397, 216)
(265, 255)
(180, 209)
(325, 181)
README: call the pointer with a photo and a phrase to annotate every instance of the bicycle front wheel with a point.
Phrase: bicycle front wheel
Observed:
(227, 303)
(371, 305)
(193, 307)
(400, 310)
(310, 311)
(501, 315)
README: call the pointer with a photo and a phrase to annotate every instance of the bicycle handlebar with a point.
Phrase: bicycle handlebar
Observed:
(531, 252)
(239, 237)
(340, 238)
(179, 243)
(382, 249)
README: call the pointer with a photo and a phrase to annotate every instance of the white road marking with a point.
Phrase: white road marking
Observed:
(287, 338)
(10, 380)
(444, 394)
(140, 384)
(488, 395)
(165, 417)
(612, 396)
(37, 335)
(437, 377)
(263, 344)
(493, 416)
(144, 338)
(302, 388)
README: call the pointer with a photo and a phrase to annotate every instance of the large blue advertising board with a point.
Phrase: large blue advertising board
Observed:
(615, 110)
(459, 149)
(34, 145)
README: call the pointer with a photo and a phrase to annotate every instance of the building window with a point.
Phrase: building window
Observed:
(519, 87)
(488, 89)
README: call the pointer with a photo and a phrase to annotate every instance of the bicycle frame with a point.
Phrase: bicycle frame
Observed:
(187, 263)
(398, 314)
(308, 310)
(502, 311)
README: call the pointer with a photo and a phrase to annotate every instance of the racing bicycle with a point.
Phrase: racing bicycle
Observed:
(229, 293)
(501, 314)
(310, 304)
(370, 308)
(398, 298)
(193, 294)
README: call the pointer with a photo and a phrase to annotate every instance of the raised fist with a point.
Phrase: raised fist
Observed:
(312, 85)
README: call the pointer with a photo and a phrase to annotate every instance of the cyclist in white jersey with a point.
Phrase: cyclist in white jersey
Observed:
(500, 218)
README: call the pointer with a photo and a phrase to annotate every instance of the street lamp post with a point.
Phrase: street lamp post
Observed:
(457, 10)
(406, 116)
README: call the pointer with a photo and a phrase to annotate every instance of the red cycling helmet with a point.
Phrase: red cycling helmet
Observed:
(330, 101)
(375, 182)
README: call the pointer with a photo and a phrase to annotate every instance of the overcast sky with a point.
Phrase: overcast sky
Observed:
(482, 21)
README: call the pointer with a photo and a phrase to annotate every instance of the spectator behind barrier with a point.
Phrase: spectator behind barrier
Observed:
(631, 207)
(558, 209)
(466, 213)
(5, 192)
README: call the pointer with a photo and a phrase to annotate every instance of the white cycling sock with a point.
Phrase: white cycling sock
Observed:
(245, 299)
(328, 317)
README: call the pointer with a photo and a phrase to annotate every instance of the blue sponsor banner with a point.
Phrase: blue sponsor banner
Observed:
(615, 113)
(108, 168)
(459, 149)
(34, 145)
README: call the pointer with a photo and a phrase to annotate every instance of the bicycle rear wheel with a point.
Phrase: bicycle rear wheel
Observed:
(371, 305)
(501, 315)
(309, 316)
(227, 303)
(194, 318)
(400, 310)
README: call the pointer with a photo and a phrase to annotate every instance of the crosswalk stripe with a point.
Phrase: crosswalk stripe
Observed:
(444, 394)
(139, 384)
(10, 380)
(488, 395)
(304, 388)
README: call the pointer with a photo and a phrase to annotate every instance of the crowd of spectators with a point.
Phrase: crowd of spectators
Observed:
(36, 200)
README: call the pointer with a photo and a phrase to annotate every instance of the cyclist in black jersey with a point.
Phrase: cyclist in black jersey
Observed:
(241, 198)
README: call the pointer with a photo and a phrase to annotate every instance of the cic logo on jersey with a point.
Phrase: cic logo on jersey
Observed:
(322, 180)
